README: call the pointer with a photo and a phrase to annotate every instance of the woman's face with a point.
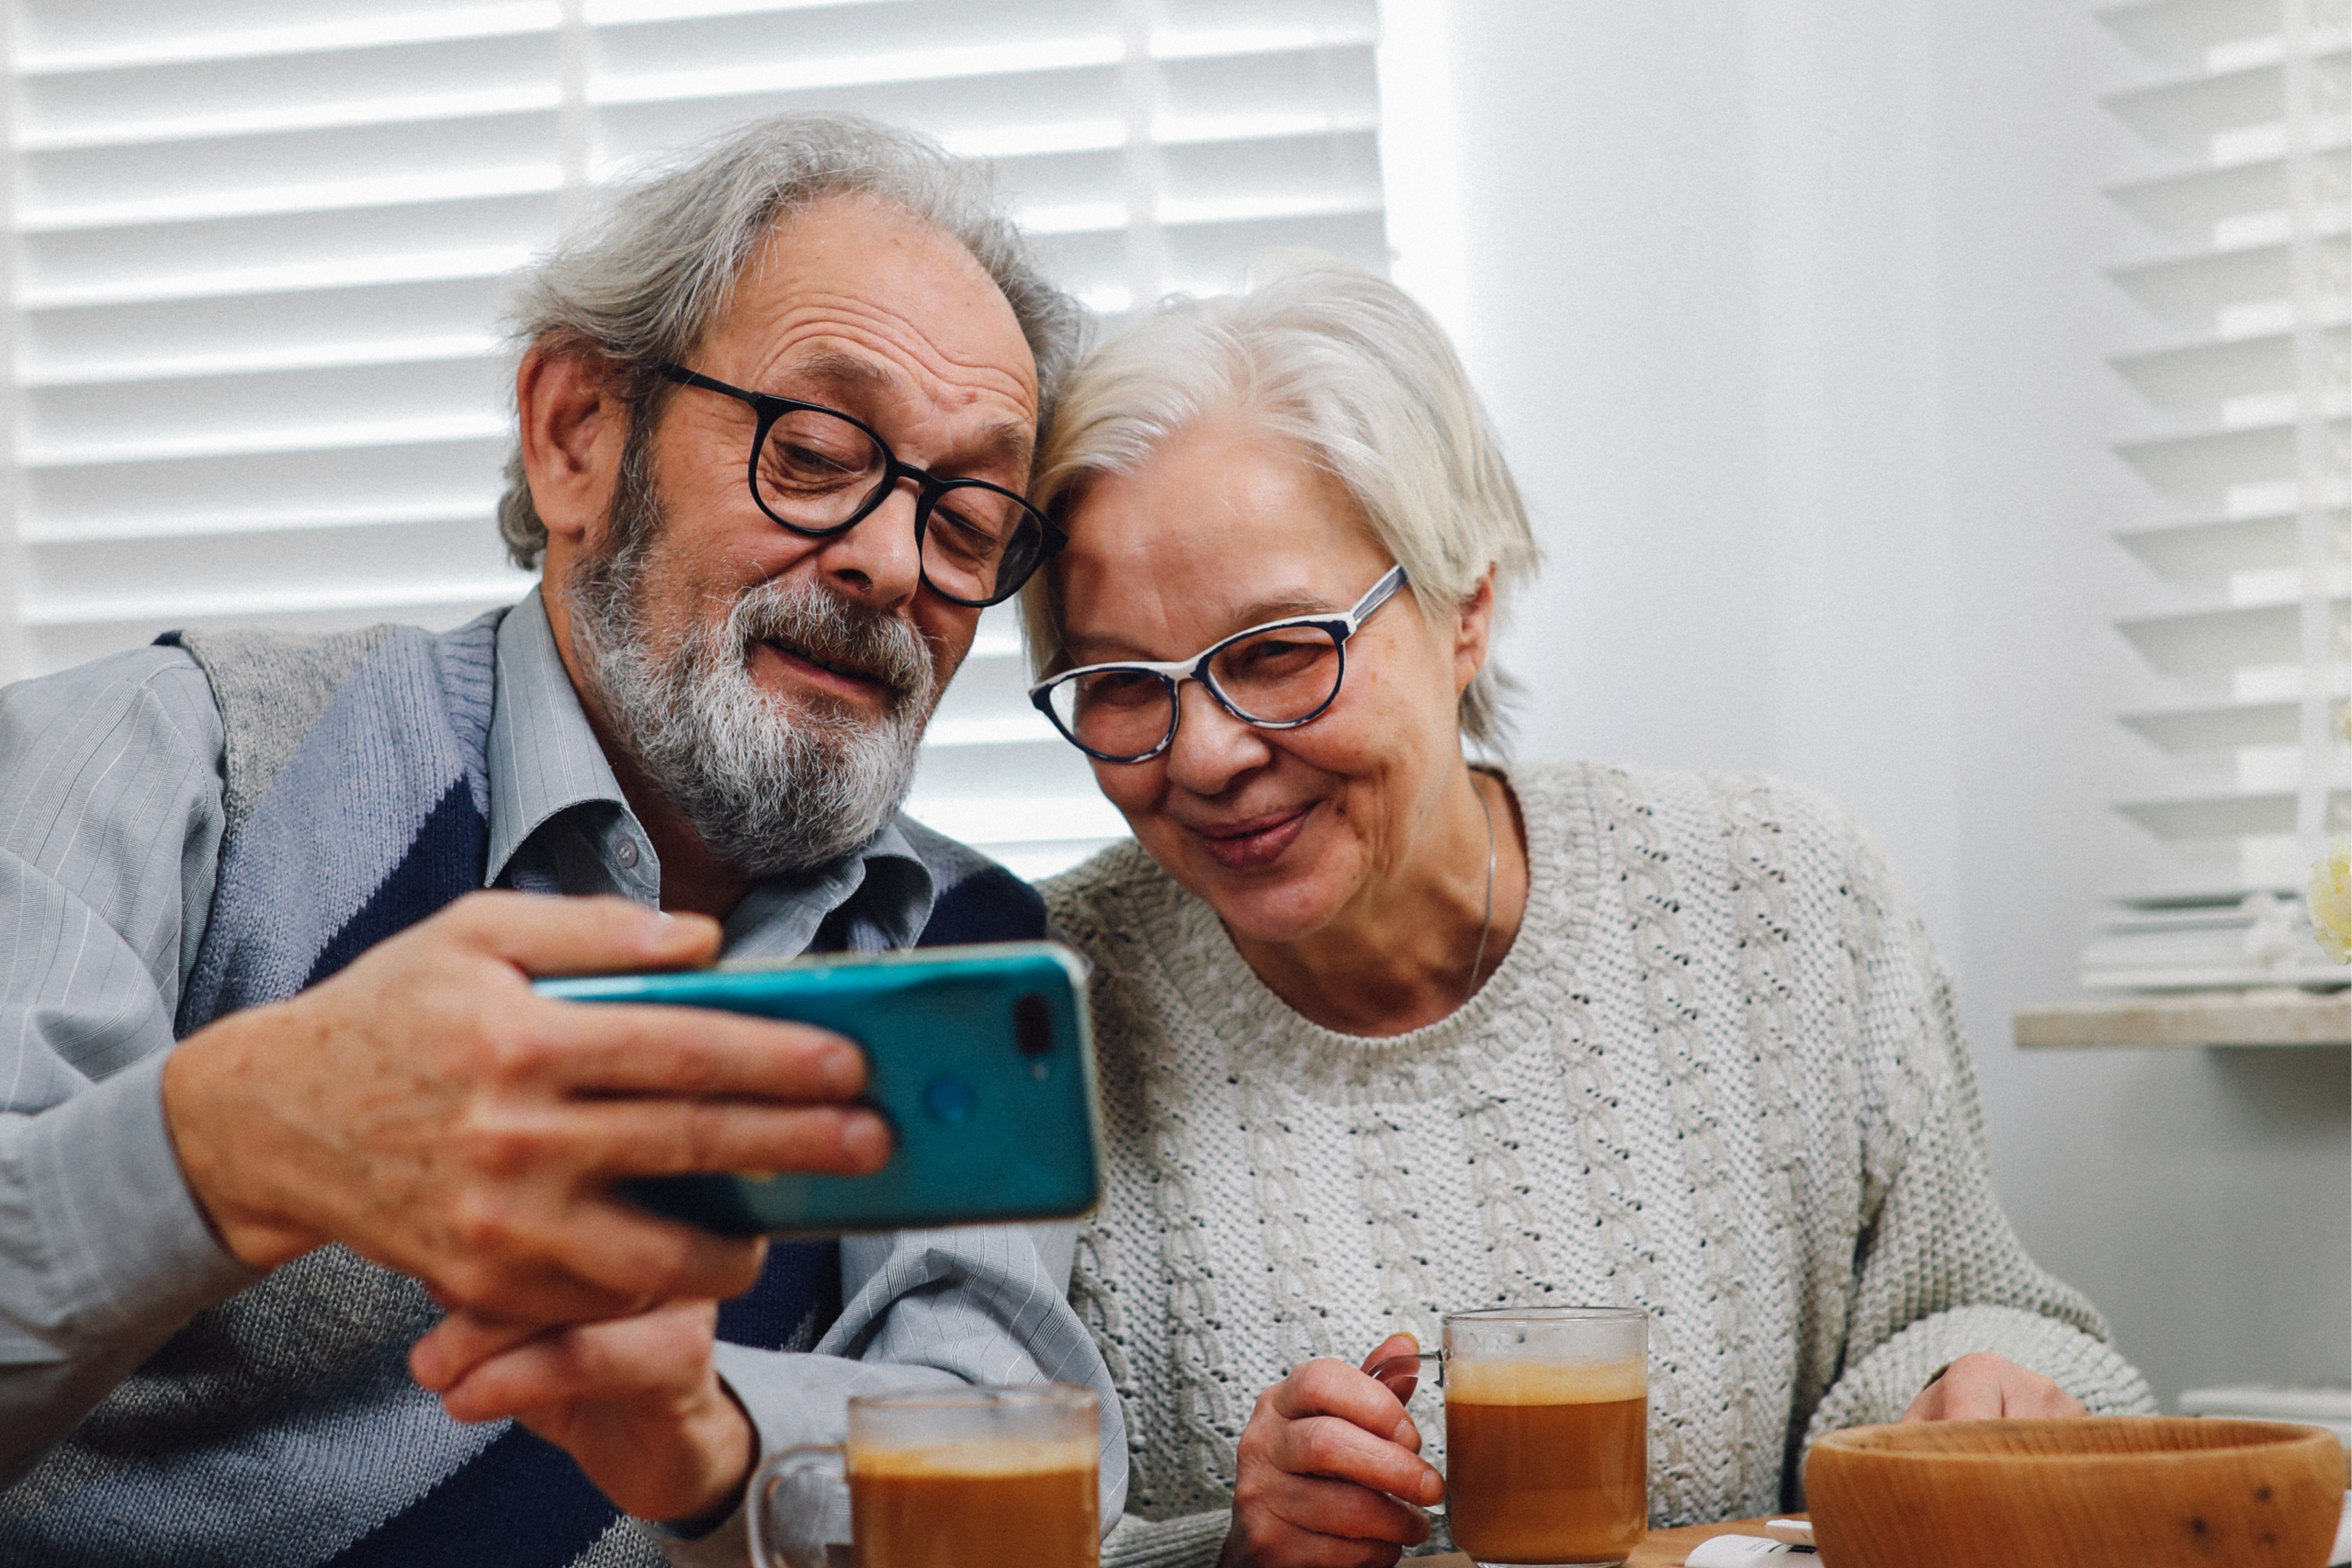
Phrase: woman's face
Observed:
(1280, 830)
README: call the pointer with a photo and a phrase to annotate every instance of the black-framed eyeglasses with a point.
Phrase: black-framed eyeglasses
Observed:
(818, 473)
(1276, 676)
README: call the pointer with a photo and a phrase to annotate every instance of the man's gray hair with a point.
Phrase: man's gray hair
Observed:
(1348, 367)
(642, 281)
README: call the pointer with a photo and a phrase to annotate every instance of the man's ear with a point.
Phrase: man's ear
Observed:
(1474, 631)
(574, 425)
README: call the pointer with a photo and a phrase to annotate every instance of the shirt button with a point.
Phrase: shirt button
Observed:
(626, 853)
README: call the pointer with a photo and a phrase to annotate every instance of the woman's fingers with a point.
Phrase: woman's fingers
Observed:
(1340, 1449)
(1328, 1468)
(1295, 1548)
(2040, 1397)
(1352, 1512)
(1327, 1387)
(1395, 1365)
(1980, 1386)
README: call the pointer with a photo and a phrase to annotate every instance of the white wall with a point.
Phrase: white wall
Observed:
(1792, 317)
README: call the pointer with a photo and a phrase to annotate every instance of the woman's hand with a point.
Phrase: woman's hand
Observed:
(634, 1401)
(1326, 1456)
(1981, 1384)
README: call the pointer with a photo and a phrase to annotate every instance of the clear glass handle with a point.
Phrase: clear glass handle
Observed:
(795, 1499)
(1402, 1376)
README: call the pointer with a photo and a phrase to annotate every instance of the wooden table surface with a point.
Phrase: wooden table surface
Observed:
(1659, 1548)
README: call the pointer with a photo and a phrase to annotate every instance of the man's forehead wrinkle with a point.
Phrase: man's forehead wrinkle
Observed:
(852, 355)
(830, 368)
(881, 329)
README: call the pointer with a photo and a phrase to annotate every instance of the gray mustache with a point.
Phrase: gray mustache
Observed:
(833, 630)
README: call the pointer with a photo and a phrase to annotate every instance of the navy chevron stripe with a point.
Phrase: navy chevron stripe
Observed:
(989, 905)
(800, 1285)
(521, 1503)
(443, 863)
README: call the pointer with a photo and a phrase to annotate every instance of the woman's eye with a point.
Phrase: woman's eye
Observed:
(1273, 656)
(1119, 688)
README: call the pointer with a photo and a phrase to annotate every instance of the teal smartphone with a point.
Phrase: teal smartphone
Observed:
(980, 1058)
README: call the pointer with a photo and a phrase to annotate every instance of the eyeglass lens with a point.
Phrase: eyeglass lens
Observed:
(1277, 676)
(817, 471)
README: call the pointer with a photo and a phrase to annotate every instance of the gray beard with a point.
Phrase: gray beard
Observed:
(771, 787)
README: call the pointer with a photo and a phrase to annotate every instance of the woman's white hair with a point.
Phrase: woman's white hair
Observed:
(1346, 364)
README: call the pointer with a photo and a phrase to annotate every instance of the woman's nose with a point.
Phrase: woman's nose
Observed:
(1211, 748)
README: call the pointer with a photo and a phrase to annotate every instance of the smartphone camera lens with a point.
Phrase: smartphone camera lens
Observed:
(1032, 1025)
(947, 1097)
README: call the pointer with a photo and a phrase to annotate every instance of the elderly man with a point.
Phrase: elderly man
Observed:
(275, 1084)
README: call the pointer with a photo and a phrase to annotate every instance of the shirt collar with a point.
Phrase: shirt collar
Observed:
(544, 760)
(543, 757)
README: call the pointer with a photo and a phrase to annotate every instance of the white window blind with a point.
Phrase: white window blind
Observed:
(262, 245)
(2238, 108)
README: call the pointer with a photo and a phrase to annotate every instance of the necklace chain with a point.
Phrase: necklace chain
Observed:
(1485, 927)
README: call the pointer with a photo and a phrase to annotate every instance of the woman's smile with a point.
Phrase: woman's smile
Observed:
(1252, 843)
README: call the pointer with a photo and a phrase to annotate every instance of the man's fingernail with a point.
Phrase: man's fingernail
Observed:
(844, 1070)
(865, 1140)
(1433, 1485)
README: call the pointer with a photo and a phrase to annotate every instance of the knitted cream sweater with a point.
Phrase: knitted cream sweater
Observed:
(1718, 1074)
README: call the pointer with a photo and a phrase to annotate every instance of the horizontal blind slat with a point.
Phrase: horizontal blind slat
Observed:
(2207, 550)
(65, 39)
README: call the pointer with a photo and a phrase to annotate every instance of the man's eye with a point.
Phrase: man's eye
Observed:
(817, 452)
(809, 461)
(961, 532)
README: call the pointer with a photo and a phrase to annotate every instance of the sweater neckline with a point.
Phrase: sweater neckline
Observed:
(1266, 1034)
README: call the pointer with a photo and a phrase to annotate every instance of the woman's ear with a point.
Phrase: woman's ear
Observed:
(574, 425)
(1474, 631)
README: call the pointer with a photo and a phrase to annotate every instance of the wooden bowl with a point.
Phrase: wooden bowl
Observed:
(2106, 1492)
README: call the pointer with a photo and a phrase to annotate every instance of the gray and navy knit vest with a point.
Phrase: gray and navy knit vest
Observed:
(281, 1427)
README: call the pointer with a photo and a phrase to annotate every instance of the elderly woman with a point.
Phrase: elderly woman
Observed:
(1385, 1035)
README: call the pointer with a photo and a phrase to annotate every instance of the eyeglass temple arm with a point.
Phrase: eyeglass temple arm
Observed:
(685, 377)
(1379, 593)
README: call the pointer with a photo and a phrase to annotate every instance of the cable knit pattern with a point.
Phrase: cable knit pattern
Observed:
(1718, 1074)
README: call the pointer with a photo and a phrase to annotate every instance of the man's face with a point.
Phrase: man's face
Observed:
(772, 687)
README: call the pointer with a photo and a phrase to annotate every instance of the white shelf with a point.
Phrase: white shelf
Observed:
(2196, 1019)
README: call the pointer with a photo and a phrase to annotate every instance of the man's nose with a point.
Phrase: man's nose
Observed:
(1211, 748)
(878, 563)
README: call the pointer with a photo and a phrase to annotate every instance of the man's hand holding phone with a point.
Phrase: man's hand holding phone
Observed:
(428, 1109)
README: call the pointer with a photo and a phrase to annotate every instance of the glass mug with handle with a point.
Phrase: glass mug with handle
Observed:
(942, 1478)
(1546, 1432)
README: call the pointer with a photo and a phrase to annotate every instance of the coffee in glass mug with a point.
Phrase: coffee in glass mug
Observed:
(953, 1478)
(1546, 1433)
